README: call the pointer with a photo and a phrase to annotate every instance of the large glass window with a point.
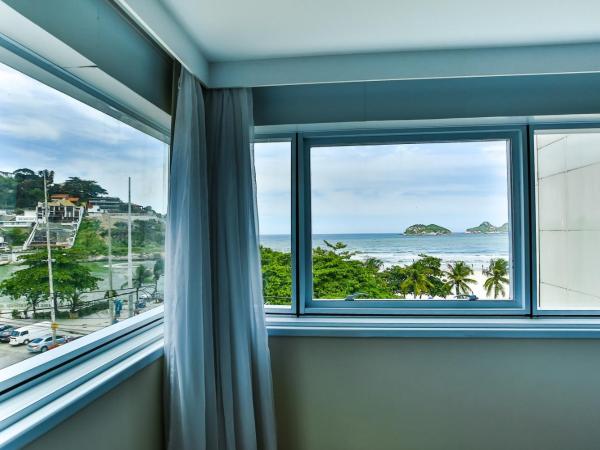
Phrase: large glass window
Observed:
(411, 221)
(568, 218)
(82, 218)
(273, 165)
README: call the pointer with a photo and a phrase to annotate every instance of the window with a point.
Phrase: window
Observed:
(97, 188)
(396, 223)
(273, 165)
(567, 176)
(411, 221)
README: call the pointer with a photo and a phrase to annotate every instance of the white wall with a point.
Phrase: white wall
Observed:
(129, 417)
(389, 394)
(436, 394)
(568, 178)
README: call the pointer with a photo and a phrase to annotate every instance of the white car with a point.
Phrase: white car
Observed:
(25, 335)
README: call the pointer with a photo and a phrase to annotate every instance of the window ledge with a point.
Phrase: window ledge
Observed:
(534, 328)
(41, 405)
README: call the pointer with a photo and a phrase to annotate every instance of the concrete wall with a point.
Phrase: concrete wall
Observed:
(568, 189)
(389, 394)
(129, 417)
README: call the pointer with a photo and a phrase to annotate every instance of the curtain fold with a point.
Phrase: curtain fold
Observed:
(218, 374)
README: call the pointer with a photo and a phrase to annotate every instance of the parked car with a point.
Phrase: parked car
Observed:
(44, 343)
(5, 332)
(26, 334)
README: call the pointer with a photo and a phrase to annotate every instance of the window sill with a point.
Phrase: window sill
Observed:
(32, 409)
(532, 328)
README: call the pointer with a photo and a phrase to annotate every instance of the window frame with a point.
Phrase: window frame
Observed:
(25, 374)
(535, 299)
(304, 304)
(292, 139)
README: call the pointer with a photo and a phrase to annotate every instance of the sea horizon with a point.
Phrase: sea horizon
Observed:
(475, 249)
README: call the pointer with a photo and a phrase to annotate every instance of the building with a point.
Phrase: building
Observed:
(69, 197)
(61, 211)
(105, 204)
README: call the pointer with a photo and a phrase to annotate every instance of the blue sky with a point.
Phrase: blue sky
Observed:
(386, 188)
(41, 128)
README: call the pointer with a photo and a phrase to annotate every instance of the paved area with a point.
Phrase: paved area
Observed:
(75, 327)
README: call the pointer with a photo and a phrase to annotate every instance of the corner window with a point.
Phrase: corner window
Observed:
(82, 218)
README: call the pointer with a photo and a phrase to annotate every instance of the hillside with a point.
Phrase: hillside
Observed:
(486, 227)
(431, 229)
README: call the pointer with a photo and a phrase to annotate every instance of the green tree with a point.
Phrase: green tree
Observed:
(30, 187)
(336, 274)
(8, 192)
(394, 276)
(89, 238)
(417, 281)
(276, 276)
(71, 278)
(140, 276)
(158, 270)
(77, 187)
(497, 277)
(15, 236)
(458, 277)
(435, 275)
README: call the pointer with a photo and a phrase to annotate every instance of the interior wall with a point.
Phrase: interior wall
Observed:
(388, 394)
(129, 417)
(436, 394)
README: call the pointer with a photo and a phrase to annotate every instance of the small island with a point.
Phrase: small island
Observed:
(486, 228)
(431, 229)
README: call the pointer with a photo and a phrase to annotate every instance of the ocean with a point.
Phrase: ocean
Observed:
(474, 249)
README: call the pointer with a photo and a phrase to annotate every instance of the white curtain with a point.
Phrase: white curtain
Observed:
(218, 373)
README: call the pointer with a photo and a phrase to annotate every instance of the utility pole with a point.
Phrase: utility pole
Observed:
(110, 273)
(54, 325)
(129, 255)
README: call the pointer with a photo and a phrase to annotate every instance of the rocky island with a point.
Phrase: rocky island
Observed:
(486, 227)
(431, 229)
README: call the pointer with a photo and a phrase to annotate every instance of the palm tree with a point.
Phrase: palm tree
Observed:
(157, 271)
(140, 276)
(497, 277)
(416, 282)
(458, 277)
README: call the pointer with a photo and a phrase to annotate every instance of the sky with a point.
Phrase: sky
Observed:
(42, 128)
(386, 188)
(355, 189)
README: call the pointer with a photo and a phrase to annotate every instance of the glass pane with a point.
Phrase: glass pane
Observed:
(411, 221)
(568, 218)
(85, 158)
(273, 163)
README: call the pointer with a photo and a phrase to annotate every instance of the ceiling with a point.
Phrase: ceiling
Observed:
(232, 30)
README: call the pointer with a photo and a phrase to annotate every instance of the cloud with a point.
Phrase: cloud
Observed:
(42, 128)
(385, 188)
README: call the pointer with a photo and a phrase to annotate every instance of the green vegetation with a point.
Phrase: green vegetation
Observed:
(147, 236)
(458, 277)
(497, 277)
(89, 240)
(419, 228)
(486, 227)
(337, 275)
(71, 279)
(15, 236)
(84, 189)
